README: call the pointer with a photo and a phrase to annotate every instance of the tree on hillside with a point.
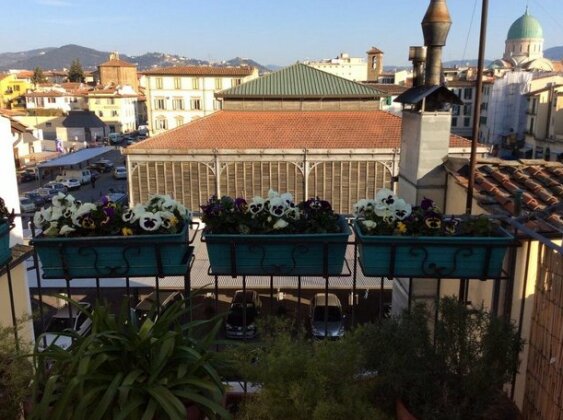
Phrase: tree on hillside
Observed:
(75, 73)
(38, 76)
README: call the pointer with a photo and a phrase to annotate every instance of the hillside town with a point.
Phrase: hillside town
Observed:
(434, 192)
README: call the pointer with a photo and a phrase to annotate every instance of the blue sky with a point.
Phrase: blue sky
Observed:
(269, 31)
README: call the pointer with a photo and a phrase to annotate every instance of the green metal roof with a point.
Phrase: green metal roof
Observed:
(525, 26)
(301, 81)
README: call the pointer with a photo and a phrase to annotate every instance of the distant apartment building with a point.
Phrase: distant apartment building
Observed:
(544, 122)
(63, 96)
(116, 106)
(12, 89)
(356, 69)
(178, 95)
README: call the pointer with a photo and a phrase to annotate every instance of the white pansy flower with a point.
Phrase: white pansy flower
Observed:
(83, 210)
(385, 212)
(385, 196)
(360, 206)
(280, 224)
(150, 221)
(65, 230)
(256, 205)
(56, 214)
(168, 219)
(369, 224)
(272, 194)
(288, 198)
(277, 206)
(401, 209)
(293, 213)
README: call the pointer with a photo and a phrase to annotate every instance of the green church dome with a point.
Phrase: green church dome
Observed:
(525, 26)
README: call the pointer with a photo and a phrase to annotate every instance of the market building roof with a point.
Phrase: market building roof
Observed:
(300, 81)
(238, 130)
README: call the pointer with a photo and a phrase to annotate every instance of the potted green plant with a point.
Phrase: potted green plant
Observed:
(455, 371)
(396, 239)
(273, 235)
(126, 370)
(6, 224)
(16, 373)
(105, 239)
(298, 378)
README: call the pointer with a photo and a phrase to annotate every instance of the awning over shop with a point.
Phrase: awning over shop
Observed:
(75, 158)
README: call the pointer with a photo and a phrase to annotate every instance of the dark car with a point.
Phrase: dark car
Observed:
(148, 308)
(103, 165)
(236, 317)
(36, 198)
(25, 177)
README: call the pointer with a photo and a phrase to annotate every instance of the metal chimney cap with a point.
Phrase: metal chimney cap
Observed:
(417, 53)
(436, 23)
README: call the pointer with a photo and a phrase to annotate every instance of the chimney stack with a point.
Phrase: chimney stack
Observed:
(418, 57)
(435, 27)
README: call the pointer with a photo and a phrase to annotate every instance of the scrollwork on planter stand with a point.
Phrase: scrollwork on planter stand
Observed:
(91, 257)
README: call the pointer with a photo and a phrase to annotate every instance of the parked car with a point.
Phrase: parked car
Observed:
(103, 165)
(56, 186)
(37, 199)
(114, 138)
(24, 176)
(77, 323)
(234, 324)
(327, 318)
(83, 175)
(46, 193)
(120, 172)
(26, 205)
(147, 308)
(70, 183)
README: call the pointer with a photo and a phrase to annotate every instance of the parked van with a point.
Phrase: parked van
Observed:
(83, 175)
(114, 138)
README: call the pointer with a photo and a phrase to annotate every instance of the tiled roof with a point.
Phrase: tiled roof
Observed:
(48, 94)
(200, 71)
(82, 119)
(117, 63)
(497, 181)
(285, 130)
(374, 50)
(300, 81)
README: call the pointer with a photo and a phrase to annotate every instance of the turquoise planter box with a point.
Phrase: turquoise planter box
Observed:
(289, 254)
(114, 256)
(432, 256)
(5, 252)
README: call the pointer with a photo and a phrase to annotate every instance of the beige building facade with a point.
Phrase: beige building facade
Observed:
(178, 95)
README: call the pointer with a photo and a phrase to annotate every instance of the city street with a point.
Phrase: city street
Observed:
(86, 192)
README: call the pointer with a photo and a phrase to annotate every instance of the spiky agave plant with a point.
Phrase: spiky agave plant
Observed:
(126, 370)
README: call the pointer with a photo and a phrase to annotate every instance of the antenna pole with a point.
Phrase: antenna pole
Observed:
(477, 105)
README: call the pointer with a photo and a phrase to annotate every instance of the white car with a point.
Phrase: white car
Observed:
(120, 172)
(26, 205)
(70, 183)
(61, 324)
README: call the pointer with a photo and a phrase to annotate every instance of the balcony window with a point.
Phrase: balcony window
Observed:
(159, 103)
(195, 103)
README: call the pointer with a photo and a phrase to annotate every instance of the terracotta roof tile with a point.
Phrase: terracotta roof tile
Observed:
(117, 63)
(286, 130)
(200, 71)
(541, 183)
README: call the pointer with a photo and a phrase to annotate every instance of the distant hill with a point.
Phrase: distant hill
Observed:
(463, 63)
(59, 58)
(8, 58)
(554, 53)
